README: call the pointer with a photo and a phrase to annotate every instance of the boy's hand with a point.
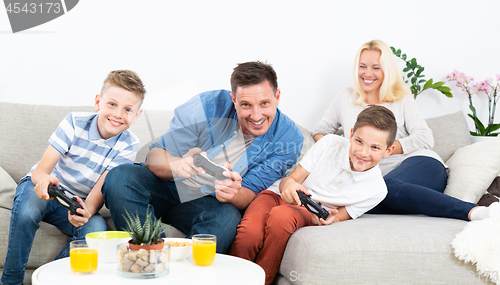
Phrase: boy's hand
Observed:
(331, 218)
(226, 189)
(76, 220)
(289, 193)
(41, 188)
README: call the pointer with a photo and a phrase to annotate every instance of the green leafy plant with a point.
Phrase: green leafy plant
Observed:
(413, 74)
(143, 234)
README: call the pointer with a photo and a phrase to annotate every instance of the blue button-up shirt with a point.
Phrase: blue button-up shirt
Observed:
(209, 121)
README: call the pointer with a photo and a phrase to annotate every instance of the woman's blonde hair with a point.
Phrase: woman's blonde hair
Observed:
(393, 87)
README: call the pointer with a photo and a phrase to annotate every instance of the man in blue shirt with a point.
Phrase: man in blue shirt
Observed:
(242, 130)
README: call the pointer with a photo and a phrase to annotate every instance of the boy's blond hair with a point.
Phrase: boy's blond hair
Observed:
(127, 80)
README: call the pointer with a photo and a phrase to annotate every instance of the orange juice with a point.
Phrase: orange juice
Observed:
(204, 252)
(83, 260)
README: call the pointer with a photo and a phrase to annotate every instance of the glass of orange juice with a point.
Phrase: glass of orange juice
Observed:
(83, 259)
(204, 249)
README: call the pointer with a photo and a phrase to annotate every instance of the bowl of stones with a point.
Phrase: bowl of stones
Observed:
(143, 263)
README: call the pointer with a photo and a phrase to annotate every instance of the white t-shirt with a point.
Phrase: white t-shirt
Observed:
(332, 182)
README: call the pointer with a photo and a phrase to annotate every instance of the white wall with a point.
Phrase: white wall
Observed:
(180, 48)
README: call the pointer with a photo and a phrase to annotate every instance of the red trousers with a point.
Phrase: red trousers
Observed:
(265, 229)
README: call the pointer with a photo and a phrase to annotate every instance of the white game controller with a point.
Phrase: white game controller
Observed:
(209, 166)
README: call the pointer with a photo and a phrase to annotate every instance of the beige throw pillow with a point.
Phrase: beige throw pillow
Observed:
(450, 133)
(7, 189)
(472, 169)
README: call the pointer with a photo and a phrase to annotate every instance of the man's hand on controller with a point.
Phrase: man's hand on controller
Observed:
(185, 167)
(76, 220)
(320, 222)
(226, 189)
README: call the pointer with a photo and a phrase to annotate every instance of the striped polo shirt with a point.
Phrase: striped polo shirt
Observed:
(85, 155)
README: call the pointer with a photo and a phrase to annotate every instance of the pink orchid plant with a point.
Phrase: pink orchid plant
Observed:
(492, 90)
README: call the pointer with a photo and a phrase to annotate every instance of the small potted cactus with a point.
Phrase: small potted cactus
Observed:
(145, 236)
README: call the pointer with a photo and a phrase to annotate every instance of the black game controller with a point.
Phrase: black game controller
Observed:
(64, 198)
(211, 168)
(312, 206)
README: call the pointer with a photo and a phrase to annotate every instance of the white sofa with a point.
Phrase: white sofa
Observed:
(374, 249)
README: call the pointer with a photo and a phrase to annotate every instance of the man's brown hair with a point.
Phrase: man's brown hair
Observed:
(380, 118)
(127, 80)
(251, 73)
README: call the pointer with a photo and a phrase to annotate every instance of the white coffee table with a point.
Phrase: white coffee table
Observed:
(226, 269)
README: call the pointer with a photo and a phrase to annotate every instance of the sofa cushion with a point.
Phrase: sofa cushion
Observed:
(450, 133)
(472, 169)
(25, 137)
(7, 189)
(149, 127)
(376, 249)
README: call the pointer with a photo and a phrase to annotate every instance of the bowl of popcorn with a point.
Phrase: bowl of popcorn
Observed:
(180, 248)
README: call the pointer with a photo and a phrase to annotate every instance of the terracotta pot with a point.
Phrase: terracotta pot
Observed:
(154, 246)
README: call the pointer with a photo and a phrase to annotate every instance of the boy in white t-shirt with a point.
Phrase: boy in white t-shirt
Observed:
(341, 173)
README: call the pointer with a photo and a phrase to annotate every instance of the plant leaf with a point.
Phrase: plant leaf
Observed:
(494, 127)
(147, 228)
(138, 227)
(128, 219)
(472, 109)
(428, 84)
(413, 63)
(420, 70)
(448, 94)
(413, 90)
(437, 84)
(444, 89)
(479, 125)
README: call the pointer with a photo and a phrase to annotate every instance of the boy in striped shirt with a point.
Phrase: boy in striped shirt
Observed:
(81, 151)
